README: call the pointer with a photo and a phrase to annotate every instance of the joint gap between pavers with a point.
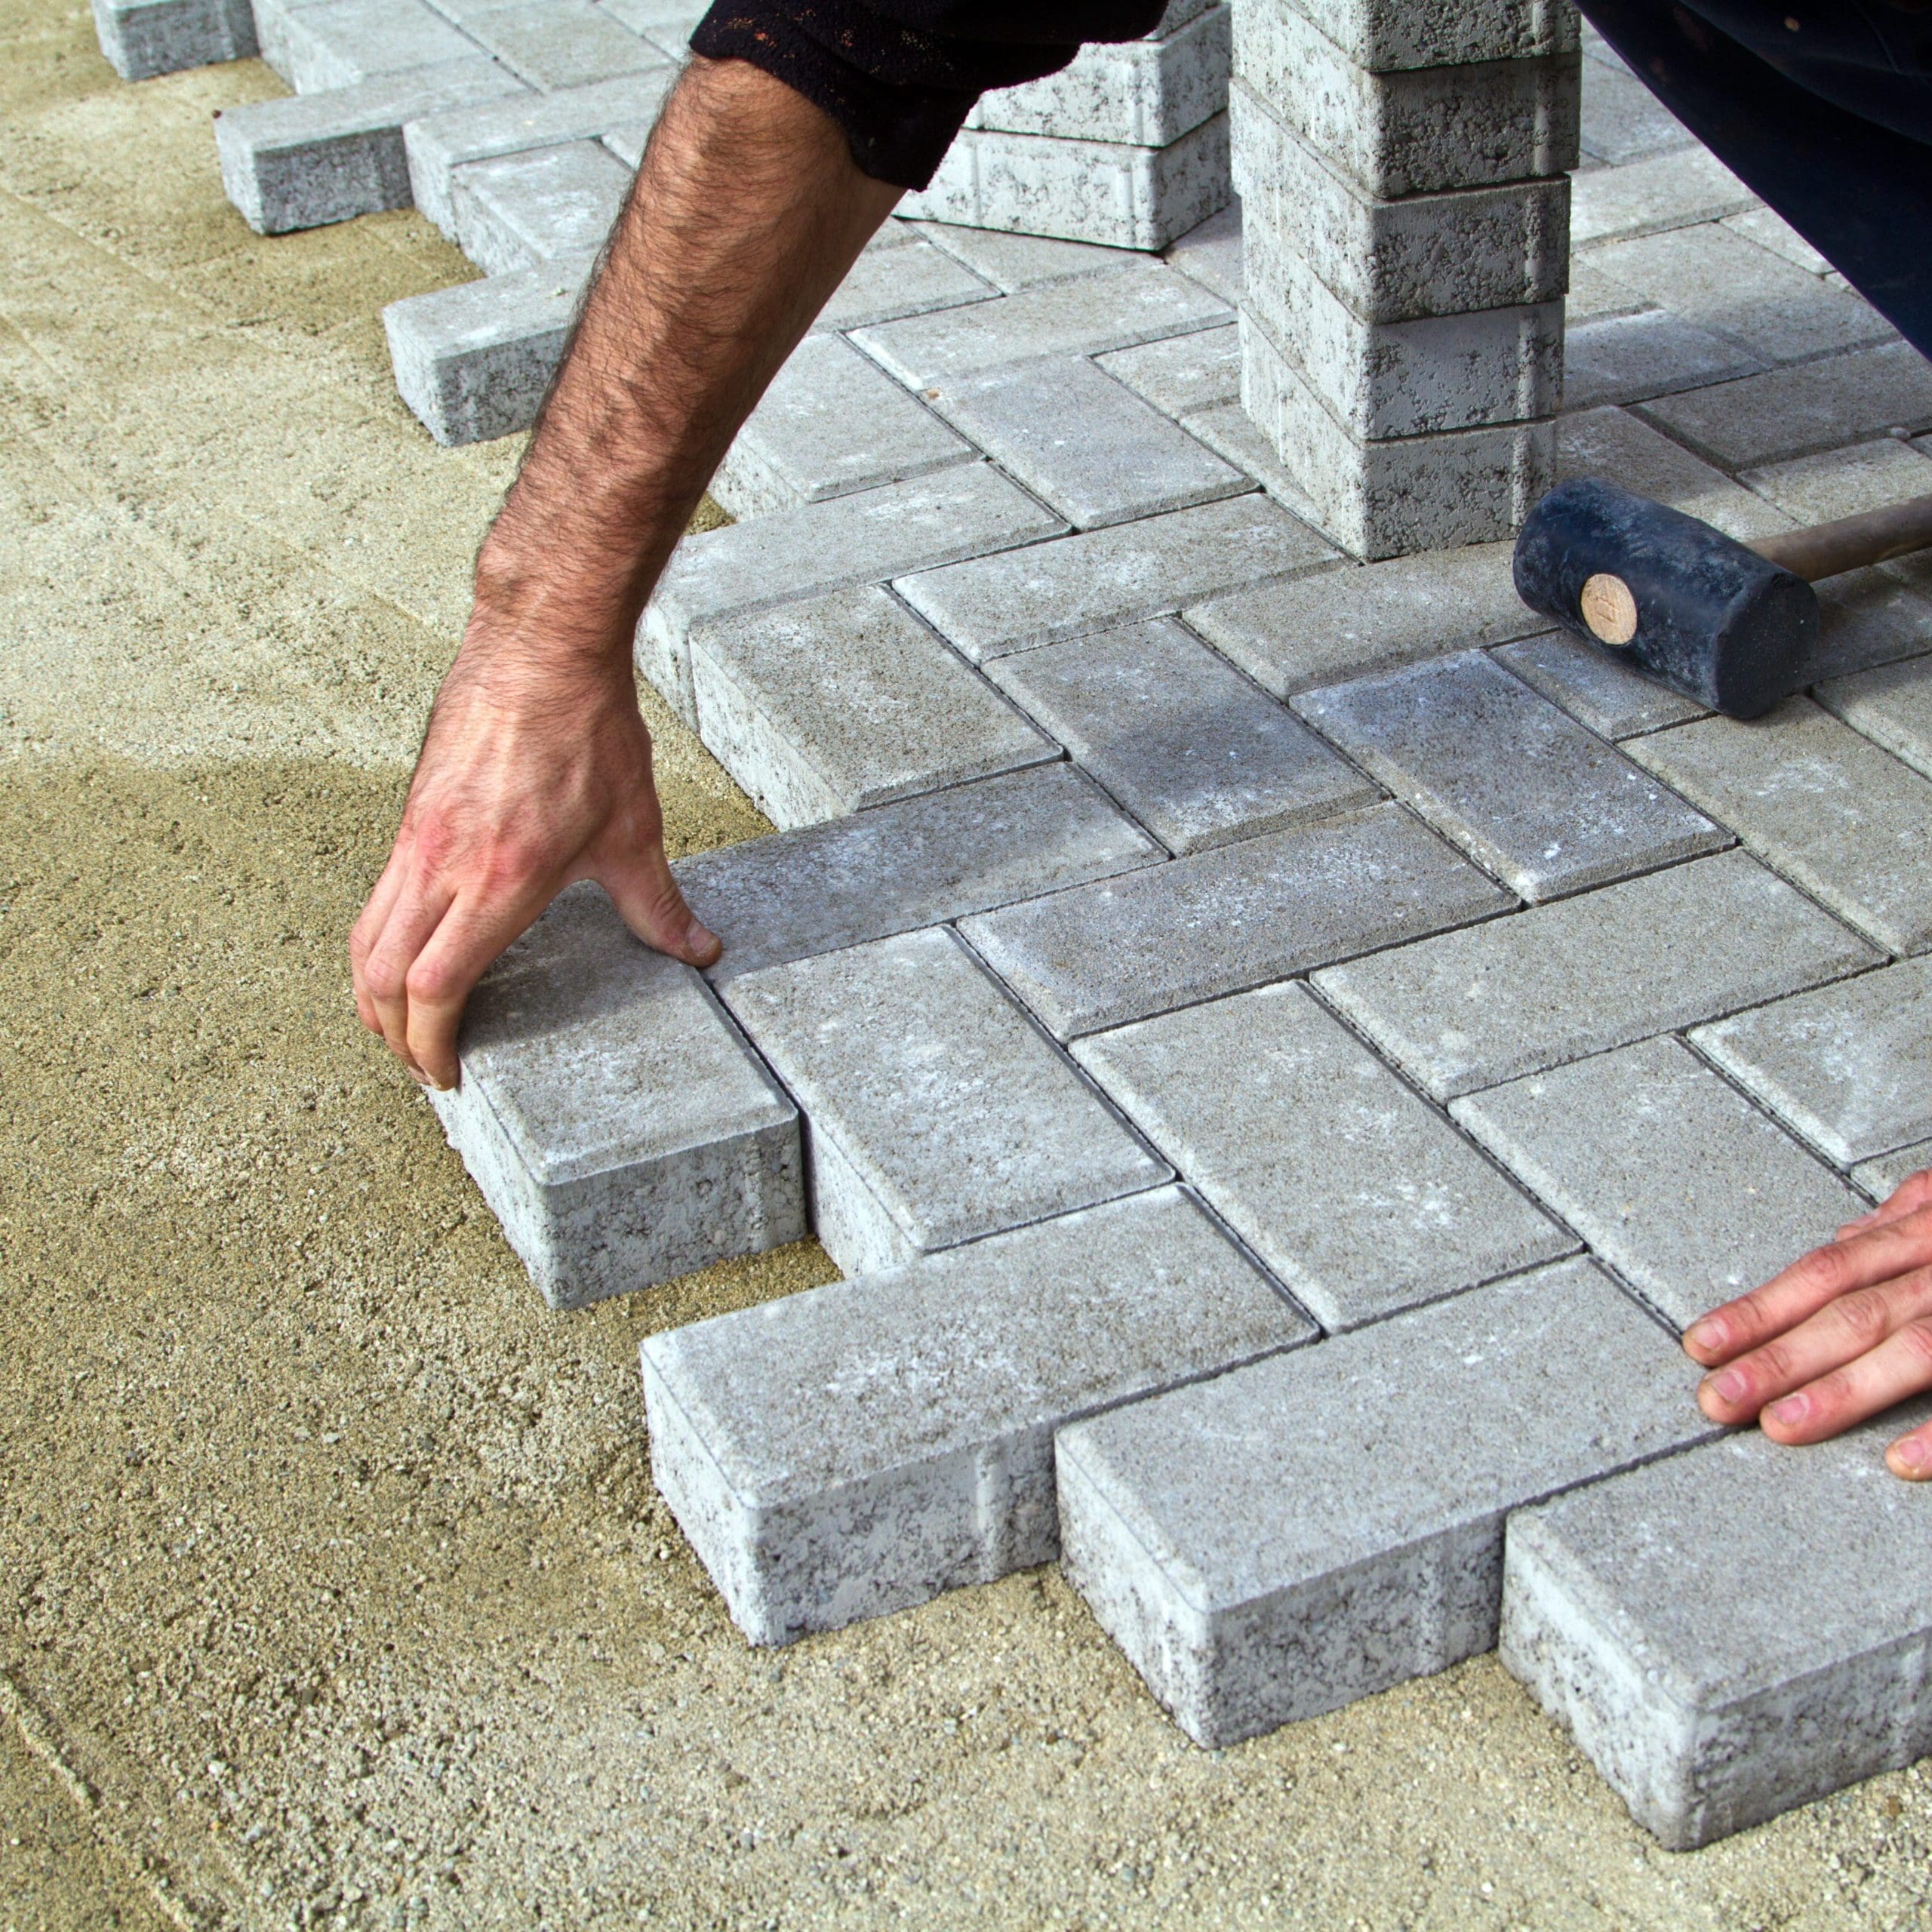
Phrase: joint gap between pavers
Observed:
(1494, 651)
(1255, 1262)
(1826, 446)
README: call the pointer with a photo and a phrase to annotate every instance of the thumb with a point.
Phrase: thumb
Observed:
(647, 899)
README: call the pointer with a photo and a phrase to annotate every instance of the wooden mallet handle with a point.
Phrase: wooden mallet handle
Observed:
(1852, 542)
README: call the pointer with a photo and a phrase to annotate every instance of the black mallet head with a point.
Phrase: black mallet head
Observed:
(1684, 603)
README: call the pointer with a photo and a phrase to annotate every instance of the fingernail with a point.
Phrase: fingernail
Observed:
(1793, 1409)
(1729, 1387)
(699, 936)
(1915, 1454)
(1707, 1333)
(417, 1074)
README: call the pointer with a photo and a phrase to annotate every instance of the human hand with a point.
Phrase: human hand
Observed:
(534, 773)
(1838, 1337)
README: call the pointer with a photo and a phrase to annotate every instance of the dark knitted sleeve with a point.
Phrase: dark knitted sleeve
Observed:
(900, 76)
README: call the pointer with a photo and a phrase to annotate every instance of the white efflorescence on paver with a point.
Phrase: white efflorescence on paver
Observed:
(1733, 1631)
(937, 1112)
(1299, 1532)
(1671, 1175)
(1096, 579)
(839, 702)
(1382, 1207)
(310, 159)
(862, 1447)
(619, 1127)
(1190, 747)
(1848, 1067)
(1466, 1010)
(1829, 809)
(967, 510)
(517, 210)
(143, 38)
(918, 861)
(832, 422)
(1235, 917)
(1548, 807)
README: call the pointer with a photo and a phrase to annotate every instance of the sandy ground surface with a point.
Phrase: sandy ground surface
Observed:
(334, 1588)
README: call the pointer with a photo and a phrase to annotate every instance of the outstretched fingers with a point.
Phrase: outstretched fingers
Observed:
(1900, 1366)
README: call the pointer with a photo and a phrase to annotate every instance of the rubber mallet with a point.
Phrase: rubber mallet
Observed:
(1734, 626)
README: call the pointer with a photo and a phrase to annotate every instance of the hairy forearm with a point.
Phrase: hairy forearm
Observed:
(746, 213)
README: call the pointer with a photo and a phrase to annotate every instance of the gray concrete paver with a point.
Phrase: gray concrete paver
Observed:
(1892, 706)
(1183, 373)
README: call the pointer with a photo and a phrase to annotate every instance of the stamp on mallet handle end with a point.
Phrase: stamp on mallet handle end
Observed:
(1609, 609)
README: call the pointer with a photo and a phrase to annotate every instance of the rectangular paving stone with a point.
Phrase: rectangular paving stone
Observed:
(1882, 1177)
(1210, 253)
(555, 44)
(936, 1111)
(1090, 448)
(1827, 808)
(914, 279)
(436, 143)
(1733, 1632)
(1111, 192)
(1319, 628)
(1391, 261)
(1471, 1009)
(1190, 747)
(1012, 263)
(1079, 317)
(1844, 482)
(310, 159)
(1869, 618)
(963, 511)
(1384, 1207)
(1183, 373)
(1635, 357)
(1388, 498)
(1674, 1178)
(476, 361)
(1770, 230)
(1096, 579)
(917, 862)
(1412, 131)
(1548, 807)
(1381, 37)
(1616, 442)
(862, 1447)
(1225, 920)
(667, 24)
(1229, 431)
(1848, 1067)
(516, 211)
(339, 42)
(143, 38)
(831, 423)
(1622, 121)
(1815, 406)
(1891, 705)
(1293, 1535)
(844, 702)
(1646, 197)
(1146, 93)
(1614, 701)
(618, 1125)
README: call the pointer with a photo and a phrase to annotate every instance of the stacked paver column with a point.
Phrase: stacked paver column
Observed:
(1406, 214)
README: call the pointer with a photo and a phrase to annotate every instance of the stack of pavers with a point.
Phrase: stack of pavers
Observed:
(1402, 171)
(1127, 147)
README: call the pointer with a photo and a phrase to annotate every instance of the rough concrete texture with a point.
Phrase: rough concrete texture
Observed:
(1230, 919)
(144, 38)
(864, 1446)
(1371, 1204)
(1184, 372)
(1045, 592)
(942, 1111)
(919, 861)
(1392, 498)
(1827, 808)
(1283, 1538)
(1321, 628)
(516, 211)
(314, 158)
(1089, 448)
(1410, 131)
(1436, 33)
(1733, 1631)
(1669, 1174)
(830, 423)
(1190, 747)
(825, 707)
(407, 1649)
(1544, 804)
(961, 512)
(474, 361)
(1848, 1067)
(1110, 192)
(617, 1124)
(1468, 1009)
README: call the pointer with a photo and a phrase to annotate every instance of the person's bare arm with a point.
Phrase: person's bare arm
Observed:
(1838, 1337)
(535, 770)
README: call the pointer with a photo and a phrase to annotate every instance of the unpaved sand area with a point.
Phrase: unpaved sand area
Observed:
(335, 1589)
